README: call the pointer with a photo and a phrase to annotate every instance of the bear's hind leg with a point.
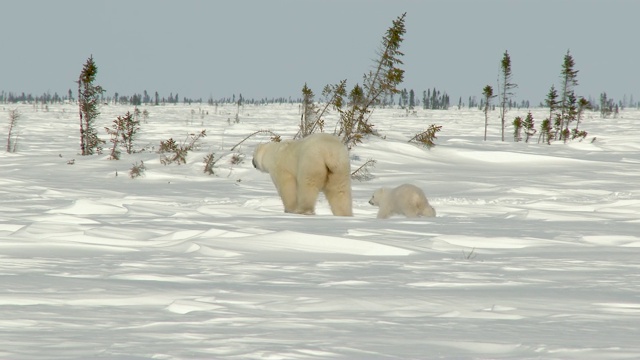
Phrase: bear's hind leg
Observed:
(339, 197)
(428, 211)
(415, 207)
(307, 196)
(341, 206)
(412, 212)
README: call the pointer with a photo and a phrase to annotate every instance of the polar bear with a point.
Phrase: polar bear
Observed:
(406, 199)
(301, 169)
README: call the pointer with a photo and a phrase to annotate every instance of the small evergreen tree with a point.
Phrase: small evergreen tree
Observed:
(209, 163)
(307, 118)
(507, 86)
(583, 104)
(334, 95)
(89, 101)
(529, 127)
(552, 103)
(404, 99)
(569, 81)
(123, 130)
(172, 152)
(382, 80)
(517, 129)
(12, 141)
(130, 127)
(137, 170)
(427, 137)
(570, 115)
(606, 106)
(412, 99)
(114, 131)
(426, 96)
(557, 126)
(546, 132)
(487, 92)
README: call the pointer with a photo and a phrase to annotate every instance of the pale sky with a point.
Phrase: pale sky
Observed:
(265, 49)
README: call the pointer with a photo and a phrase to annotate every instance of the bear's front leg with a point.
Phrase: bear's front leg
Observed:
(383, 213)
(287, 189)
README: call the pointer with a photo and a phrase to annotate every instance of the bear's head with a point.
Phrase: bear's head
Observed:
(377, 197)
(259, 160)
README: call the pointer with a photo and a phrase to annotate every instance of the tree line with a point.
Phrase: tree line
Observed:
(433, 99)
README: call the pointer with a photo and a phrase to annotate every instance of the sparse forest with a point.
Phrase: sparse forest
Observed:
(353, 108)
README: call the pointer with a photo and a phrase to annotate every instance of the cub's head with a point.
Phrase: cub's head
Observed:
(377, 197)
(260, 160)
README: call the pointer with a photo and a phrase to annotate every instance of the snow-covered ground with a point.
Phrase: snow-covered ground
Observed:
(534, 253)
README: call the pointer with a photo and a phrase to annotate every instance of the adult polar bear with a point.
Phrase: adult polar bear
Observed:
(406, 199)
(300, 169)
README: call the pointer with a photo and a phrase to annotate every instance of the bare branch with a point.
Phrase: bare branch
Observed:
(276, 137)
(362, 173)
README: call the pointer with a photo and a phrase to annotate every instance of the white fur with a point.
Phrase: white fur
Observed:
(301, 169)
(406, 199)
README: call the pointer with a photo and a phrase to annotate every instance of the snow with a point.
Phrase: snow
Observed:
(533, 254)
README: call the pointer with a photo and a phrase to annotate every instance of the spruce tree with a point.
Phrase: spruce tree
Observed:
(571, 114)
(382, 80)
(434, 99)
(412, 99)
(307, 118)
(404, 99)
(387, 76)
(425, 99)
(546, 132)
(517, 129)
(529, 126)
(583, 104)
(507, 86)
(130, 127)
(487, 92)
(88, 102)
(569, 81)
(552, 103)
(606, 106)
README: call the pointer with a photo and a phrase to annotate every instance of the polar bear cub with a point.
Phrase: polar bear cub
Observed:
(406, 199)
(301, 169)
